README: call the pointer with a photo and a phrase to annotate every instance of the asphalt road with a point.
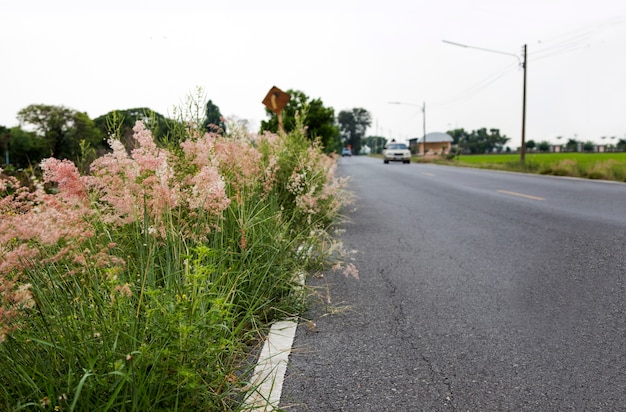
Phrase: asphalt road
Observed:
(478, 290)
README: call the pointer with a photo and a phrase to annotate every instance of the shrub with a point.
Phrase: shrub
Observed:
(141, 285)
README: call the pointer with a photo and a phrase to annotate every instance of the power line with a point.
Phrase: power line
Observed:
(478, 87)
(575, 39)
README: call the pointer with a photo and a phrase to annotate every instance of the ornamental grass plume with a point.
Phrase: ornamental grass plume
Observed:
(240, 162)
(269, 146)
(131, 186)
(208, 191)
(71, 186)
(32, 219)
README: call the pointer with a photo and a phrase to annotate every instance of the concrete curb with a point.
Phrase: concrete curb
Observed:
(269, 373)
(267, 379)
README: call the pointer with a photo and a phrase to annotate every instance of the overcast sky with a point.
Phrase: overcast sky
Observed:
(97, 56)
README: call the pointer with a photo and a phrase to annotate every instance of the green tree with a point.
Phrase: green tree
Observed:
(544, 146)
(120, 123)
(213, 119)
(530, 145)
(353, 125)
(478, 141)
(375, 143)
(571, 145)
(458, 136)
(589, 146)
(621, 144)
(61, 128)
(26, 148)
(319, 120)
(5, 137)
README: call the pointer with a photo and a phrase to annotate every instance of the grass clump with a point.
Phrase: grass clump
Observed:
(142, 285)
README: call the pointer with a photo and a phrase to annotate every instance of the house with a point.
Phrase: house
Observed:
(436, 143)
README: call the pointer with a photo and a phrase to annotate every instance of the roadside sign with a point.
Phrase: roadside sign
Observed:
(276, 100)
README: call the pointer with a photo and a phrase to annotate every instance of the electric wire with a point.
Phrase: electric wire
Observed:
(478, 87)
(561, 44)
(574, 40)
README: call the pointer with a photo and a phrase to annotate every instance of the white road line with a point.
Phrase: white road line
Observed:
(506, 192)
(269, 374)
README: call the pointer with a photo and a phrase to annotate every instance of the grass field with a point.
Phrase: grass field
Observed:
(608, 166)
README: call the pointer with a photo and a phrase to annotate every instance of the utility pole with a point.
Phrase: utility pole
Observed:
(523, 148)
(424, 112)
(423, 107)
(524, 64)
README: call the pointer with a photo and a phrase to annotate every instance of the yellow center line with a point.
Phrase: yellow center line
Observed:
(506, 192)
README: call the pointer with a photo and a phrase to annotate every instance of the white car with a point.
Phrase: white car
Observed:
(396, 152)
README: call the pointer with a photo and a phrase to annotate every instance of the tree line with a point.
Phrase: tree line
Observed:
(573, 145)
(65, 133)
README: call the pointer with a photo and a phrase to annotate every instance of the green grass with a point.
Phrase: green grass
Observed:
(606, 166)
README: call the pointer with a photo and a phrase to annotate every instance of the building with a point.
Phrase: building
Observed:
(436, 143)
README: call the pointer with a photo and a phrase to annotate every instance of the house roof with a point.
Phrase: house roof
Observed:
(435, 137)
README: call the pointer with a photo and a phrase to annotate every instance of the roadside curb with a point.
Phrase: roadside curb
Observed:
(267, 379)
(269, 374)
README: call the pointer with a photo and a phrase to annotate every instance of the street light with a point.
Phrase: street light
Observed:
(423, 106)
(524, 64)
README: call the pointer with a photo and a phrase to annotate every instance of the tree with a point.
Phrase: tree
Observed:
(375, 143)
(571, 145)
(62, 129)
(213, 119)
(26, 148)
(5, 137)
(120, 123)
(543, 146)
(530, 145)
(319, 120)
(478, 141)
(621, 144)
(353, 125)
(589, 146)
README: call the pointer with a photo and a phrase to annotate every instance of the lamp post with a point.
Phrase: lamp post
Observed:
(524, 63)
(423, 106)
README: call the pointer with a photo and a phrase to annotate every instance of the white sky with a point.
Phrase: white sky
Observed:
(97, 56)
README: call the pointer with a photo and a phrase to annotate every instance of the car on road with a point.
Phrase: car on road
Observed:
(346, 151)
(396, 152)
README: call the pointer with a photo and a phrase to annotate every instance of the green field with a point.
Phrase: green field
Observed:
(608, 166)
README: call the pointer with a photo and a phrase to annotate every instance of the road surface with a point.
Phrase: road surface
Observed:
(478, 290)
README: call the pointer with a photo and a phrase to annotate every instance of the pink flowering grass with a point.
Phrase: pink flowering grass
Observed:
(141, 285)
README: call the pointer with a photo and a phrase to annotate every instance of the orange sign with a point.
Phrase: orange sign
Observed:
(276, 100)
